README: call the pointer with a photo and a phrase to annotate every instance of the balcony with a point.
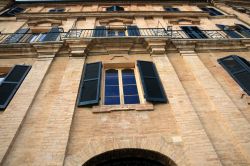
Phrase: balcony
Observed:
(75, 34)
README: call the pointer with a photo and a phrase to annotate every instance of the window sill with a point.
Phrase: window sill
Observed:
(125, 107)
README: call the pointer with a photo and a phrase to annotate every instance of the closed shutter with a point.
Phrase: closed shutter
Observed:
(230, 33)
(153, 89)
(239, 69)
(52, 35)
(194, 32)
(100, 31)
(17, 36)
(89, 91)
(12, 11)
(11, 84)
(133, 31)
(245, 31)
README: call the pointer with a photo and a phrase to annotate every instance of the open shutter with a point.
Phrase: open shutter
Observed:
(52, 35)
(230, 33)
(11, 84)
(89, 92)
(17, 36)
(239, 69)
(194, 32)
(100, 31)
(133, 31)
(153, 89)
(245, 31)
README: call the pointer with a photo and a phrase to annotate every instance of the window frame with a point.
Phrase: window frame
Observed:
(121, 92)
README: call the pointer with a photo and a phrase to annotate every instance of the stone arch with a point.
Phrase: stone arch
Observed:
(173, 150)
(130, 156)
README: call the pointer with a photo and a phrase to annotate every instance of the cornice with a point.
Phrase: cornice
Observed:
(112, 14)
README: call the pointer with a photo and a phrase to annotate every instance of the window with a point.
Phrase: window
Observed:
(116, 32)
(55, 10)
(11, 82)
(17, 36)
(230, 31)
(114, 9)
(171, 9)
(102, 31)
(242, 29)
(239, 69)
(194, 32)
(12, 11)
(211, 11)
(120, 86)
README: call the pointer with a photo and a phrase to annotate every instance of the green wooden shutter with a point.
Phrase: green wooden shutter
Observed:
(11, 84)
(17, 36)
(239, 69)
(153, 89)
(89, 91)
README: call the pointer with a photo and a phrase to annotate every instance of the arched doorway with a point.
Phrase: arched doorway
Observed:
(130, 157)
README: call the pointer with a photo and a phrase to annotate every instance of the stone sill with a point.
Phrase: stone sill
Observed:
(125, 107)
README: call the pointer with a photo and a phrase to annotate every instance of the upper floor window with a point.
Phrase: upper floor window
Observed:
(11, 82)
(193, 32)
(120, 85)
(102, 31)
(236, 31)
(57, 10)
(114, 9)
(239, 69)
(11, 12)
(171, 9)
(211, 11)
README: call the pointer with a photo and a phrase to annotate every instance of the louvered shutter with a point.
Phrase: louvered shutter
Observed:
(133, 31)
(11, 84)
(100, 31)
(17, 36)
(194, 32)
(89, 91)
(230, 33)
(153, 89)
(239, 69)
(52, 34)
(245, 31)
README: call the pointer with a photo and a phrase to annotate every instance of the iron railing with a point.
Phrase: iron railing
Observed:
(8, 38)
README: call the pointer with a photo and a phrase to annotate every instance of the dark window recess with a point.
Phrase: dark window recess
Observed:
(12, 11)
(153, 89)
(239, 69)
(17, 36)
(171, 9)
(11, 84)
(133, 31)
(57, 10)
(228, 31)
(100, 31)
(242, 29)
(211, 11)
(52, 35)
(89, 90)
(114, 9)
(194, 32)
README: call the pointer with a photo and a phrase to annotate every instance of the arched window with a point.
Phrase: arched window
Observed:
(114, 9)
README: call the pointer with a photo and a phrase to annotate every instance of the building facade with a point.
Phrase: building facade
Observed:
(162, 83)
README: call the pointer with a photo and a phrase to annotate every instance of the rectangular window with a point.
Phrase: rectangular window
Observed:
(239, 69)
(120, 87)
(11, 82)
(231, 33)
(17, 36)
(211, 11)
(12, 11)
(171, 9)
(194, 32)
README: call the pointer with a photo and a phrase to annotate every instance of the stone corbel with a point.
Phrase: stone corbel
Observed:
(186, 48)
(156, 46)
(47, 50)
(78, 48)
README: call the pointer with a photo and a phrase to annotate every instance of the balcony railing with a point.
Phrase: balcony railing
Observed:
(9, 38)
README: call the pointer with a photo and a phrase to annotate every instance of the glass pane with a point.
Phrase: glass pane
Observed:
(112, 90)
(128, 80)
(112, 101)
(111, 81)
(131, 99)
(130, 89)
(232, 64)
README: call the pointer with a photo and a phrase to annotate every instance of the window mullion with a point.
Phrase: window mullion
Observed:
(121, 86)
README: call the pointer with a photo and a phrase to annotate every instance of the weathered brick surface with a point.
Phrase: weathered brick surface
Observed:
(12, 118)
